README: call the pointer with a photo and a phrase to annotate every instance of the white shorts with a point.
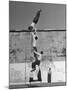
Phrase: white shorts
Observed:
(33, 24)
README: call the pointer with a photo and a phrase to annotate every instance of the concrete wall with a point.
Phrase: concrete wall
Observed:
(51, 43)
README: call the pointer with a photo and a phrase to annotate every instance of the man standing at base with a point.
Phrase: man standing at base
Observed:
(36, 67)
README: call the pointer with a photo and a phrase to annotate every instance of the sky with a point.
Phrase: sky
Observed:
(21, 15)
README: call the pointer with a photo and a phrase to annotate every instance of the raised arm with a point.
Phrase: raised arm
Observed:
(37, 53)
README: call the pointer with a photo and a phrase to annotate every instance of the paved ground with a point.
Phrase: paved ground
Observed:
(20, 72)
(37, 85)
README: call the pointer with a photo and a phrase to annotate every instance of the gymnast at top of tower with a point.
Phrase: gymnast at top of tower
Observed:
(36, 18)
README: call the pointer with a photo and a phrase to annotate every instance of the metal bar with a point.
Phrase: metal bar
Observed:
(14, 31)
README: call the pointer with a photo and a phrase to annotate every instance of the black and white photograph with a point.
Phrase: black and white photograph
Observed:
(37, 44)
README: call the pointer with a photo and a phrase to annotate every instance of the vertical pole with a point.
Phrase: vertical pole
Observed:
(25, 63)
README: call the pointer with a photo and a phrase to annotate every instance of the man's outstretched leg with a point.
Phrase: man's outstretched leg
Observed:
(35, 20)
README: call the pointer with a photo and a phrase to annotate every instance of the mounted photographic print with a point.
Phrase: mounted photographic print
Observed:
(37, 44)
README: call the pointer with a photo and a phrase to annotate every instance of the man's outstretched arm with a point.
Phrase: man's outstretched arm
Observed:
(37, 53)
